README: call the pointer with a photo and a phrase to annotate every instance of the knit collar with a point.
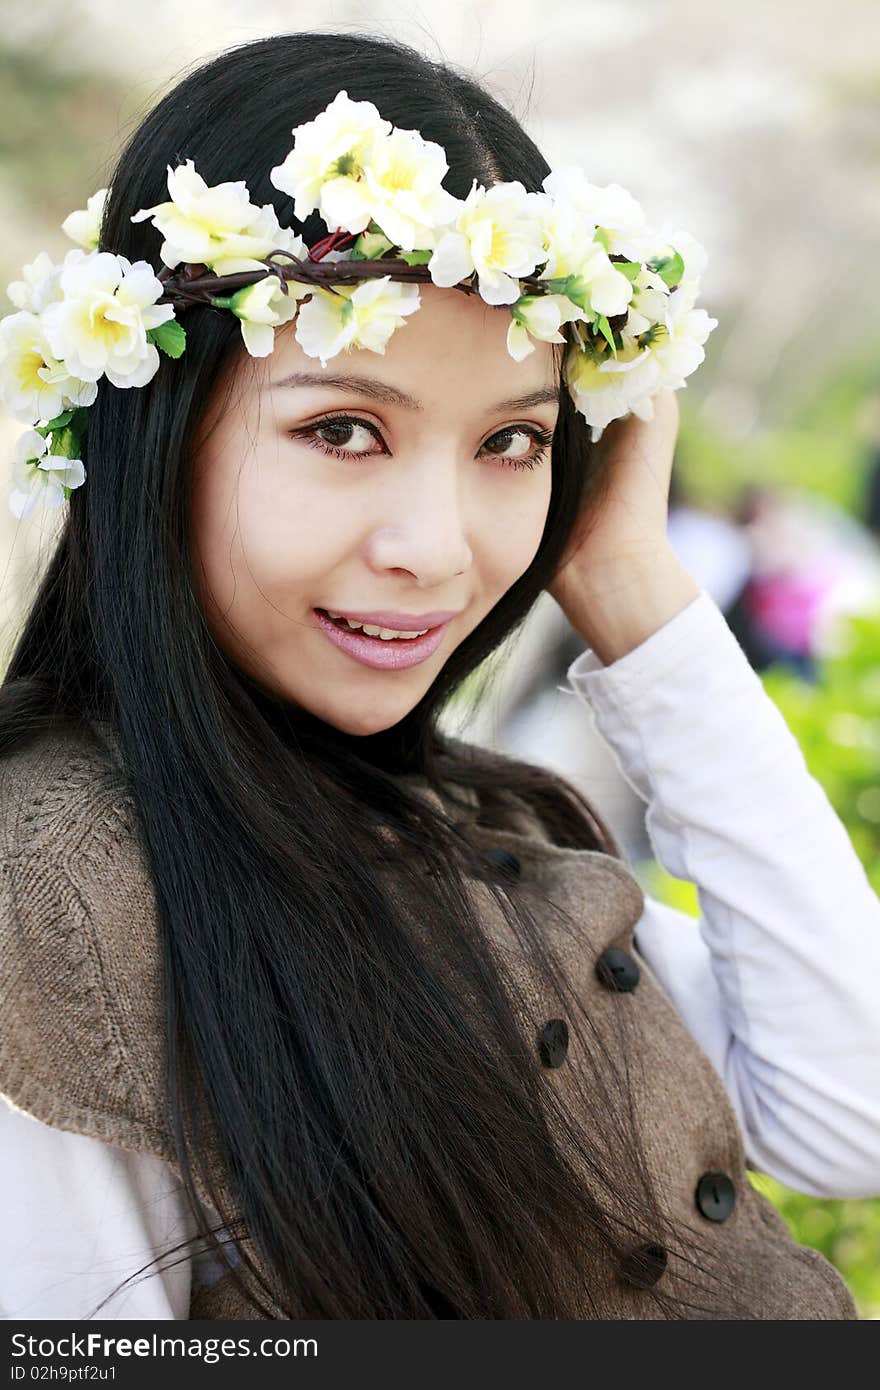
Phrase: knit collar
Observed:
(466, 804)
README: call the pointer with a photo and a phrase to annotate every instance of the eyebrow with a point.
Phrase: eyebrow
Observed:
(390, 395)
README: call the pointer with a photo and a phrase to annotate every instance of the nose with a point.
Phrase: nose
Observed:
(424, 526)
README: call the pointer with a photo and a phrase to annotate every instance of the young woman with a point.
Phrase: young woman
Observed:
(308, 1010)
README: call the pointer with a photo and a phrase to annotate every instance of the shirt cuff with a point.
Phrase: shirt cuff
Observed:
(701, 621)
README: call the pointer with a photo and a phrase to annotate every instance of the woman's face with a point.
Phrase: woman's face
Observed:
(411, 485)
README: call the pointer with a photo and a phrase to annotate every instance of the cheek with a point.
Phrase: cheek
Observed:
(262, 535)
(511, 534)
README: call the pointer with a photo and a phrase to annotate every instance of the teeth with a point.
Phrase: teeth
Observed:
(386, 633)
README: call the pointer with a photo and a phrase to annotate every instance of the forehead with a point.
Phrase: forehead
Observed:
(453, 349)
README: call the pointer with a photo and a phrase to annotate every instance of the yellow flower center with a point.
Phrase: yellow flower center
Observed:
(399, 175)
(99, 326)
(498, 245)
(27, 373)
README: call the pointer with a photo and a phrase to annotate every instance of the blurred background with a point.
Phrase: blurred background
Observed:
(757, 130)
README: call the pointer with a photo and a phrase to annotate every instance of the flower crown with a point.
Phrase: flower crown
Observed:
(574, 254)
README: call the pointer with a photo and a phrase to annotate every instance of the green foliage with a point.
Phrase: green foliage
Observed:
(67, 431)
(669, 268)
(169, 337)
(604, 328)
(822, 449)
(836, 722)
(820, 460)
(372, 244)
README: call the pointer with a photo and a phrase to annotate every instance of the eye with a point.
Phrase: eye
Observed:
(340, 435)
(520, 446)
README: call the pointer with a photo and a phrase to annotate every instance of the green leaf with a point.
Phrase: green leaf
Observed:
(520, 305)
(562, 284)
(79, 421)
(571, 287)
(59, 422)
(169, 337)
(604, 328)
(669, 268)
(628, 268)
(416, 257)
(371, 245)
(65, 444)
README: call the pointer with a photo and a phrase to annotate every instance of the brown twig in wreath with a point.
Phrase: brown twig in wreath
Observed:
(192, 284)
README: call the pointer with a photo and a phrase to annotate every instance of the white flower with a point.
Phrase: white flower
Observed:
(679, 350)
(34, 384)
(262, 308)
(572, 251)
(540, 316)
(39, 285)
(649, 302)
(100, 325)
(289, 240)
(498, 233)
(246, 251)
(40, 476)
(214, 226)
(277, 238)
(324, 168)
(607, 390)
(612, 208)
(364, 316)
(84, 225)
(695, 259)
(402, 185)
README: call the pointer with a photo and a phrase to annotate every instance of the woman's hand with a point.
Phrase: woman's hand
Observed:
(620, 579)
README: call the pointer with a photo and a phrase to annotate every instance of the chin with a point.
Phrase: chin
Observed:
(363, 728)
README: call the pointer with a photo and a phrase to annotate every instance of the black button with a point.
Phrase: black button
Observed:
(504, 860)
(644, 1265)
(553, 1042)
(617, 969)
(715, 1195)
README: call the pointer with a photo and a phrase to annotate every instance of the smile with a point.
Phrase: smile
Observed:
(382, 653)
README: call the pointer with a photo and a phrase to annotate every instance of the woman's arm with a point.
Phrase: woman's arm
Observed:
(78, 1216)
(783, 989)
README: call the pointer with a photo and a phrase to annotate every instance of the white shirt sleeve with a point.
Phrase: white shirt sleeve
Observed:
(79, 1216)
(779, 978)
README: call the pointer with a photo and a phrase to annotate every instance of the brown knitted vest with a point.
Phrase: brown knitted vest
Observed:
(82, 1047)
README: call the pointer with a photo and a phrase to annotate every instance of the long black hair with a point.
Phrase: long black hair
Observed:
(392, 1148)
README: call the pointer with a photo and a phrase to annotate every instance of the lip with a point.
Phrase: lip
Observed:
(397, 654)
(404, 622)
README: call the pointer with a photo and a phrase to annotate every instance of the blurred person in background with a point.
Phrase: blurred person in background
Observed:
(811, 563)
